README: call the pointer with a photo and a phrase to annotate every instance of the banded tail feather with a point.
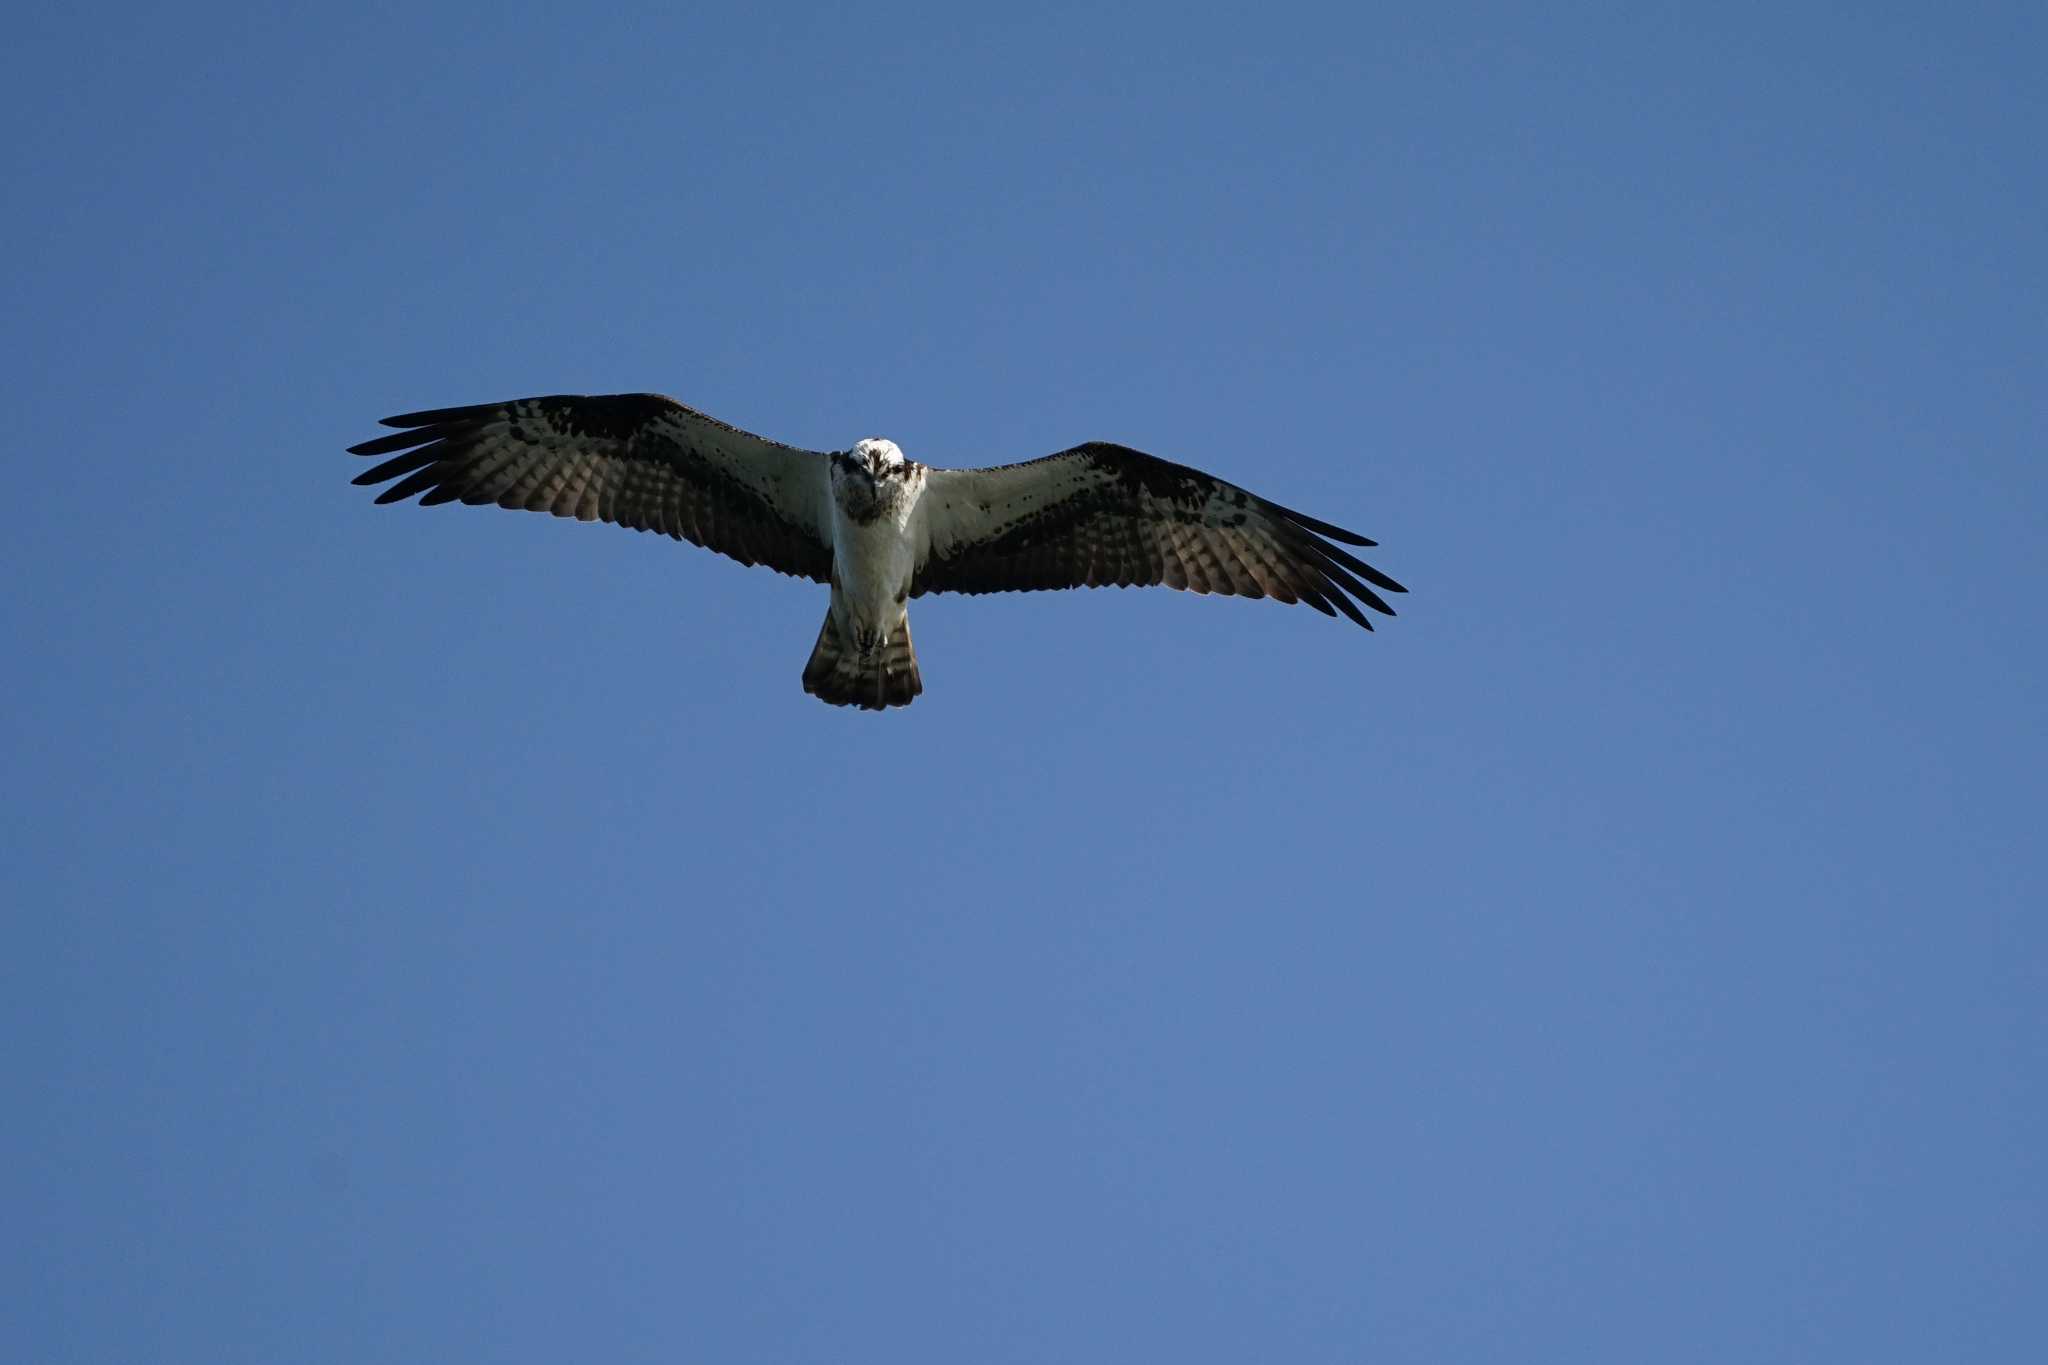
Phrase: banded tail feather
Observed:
(886, 675)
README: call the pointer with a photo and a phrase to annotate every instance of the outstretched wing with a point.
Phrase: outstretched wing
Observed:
(637, 460)
(1101, 515)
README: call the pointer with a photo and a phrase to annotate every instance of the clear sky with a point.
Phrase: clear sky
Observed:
(441, 935)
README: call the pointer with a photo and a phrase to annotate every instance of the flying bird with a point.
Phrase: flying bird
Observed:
(880, 528)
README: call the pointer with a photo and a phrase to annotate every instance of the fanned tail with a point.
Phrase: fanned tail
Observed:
(885, 676)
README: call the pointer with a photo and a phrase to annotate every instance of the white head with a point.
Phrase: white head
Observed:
(876, 453)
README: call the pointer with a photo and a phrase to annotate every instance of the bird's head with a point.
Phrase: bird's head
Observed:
(875, 454)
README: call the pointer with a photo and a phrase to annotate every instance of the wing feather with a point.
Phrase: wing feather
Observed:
(1101, 515)
(638, 460)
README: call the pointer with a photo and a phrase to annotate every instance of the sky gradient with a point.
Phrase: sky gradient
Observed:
(453, 935)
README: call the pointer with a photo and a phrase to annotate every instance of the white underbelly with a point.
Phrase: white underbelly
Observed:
(873, 564)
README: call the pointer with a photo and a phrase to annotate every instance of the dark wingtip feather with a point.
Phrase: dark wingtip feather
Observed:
(428, 417)
(418, 482)
(1359, 567)
(400, 464)
(1322, 528)
(1344, 604)
(384, 445)
(1349, 588)
(1314, 598)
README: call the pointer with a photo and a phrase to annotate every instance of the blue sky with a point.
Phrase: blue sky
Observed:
(453, 935)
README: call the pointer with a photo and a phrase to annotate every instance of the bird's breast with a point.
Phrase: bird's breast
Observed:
(873, 542)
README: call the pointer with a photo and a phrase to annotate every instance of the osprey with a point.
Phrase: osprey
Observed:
(881, 529)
